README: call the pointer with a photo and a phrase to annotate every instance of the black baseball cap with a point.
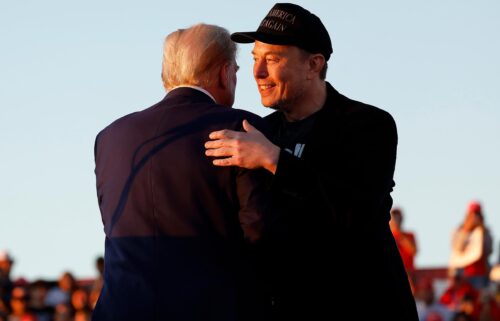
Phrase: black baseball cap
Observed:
(290, 24)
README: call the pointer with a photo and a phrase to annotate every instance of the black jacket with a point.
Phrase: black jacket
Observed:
(178, 229)
(331, 247)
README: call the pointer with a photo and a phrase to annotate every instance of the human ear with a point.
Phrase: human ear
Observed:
(316, 63)
(224, 75)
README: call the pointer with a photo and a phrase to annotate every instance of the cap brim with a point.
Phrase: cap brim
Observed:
(243, 37)
(249, 37)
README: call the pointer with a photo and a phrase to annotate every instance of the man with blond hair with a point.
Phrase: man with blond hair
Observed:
(179, 231)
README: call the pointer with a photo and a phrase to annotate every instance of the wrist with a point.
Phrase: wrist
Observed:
(273, 158)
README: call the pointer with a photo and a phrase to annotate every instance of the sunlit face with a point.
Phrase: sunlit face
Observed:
(5, 266)
(280, 72)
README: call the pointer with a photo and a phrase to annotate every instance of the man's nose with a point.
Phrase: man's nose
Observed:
(260, 69)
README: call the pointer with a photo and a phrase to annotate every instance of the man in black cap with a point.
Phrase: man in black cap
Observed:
(330, 247)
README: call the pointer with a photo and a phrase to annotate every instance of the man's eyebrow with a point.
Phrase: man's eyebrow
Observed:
(271, 52)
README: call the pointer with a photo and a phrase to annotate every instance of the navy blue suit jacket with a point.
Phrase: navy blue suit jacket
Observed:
(179, 231)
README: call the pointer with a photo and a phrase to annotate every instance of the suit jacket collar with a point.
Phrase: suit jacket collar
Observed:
(335, 102)
(187, 95)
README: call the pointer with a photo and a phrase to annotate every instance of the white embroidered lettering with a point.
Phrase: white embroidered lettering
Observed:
(283, 15)
(273, 25)
(299, 148)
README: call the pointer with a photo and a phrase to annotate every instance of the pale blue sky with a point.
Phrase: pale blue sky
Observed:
(68, 68)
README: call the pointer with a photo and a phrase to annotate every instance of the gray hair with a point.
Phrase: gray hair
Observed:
(194, 55)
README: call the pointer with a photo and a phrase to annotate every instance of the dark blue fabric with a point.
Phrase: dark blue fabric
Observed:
(170, 278)
(181, 234)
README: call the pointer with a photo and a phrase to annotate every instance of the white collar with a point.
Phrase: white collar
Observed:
(197, 88)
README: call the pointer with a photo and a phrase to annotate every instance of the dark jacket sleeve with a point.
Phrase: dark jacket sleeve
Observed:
(371, 143)
(253, 192)
(253, 196)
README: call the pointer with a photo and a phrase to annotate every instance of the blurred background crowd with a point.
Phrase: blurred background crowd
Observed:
(64, 299)
(467, 289)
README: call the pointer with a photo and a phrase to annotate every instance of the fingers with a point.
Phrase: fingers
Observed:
(246, 126)
(216, 143)
(223, 162)
(220, 152)
(249, 128)
(225, 133)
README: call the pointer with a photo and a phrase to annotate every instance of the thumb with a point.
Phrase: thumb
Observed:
(247, 127)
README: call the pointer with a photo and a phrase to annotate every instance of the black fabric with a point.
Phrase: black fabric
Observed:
(181, 233)
(292, 136)
(331, 251)
(290, 24)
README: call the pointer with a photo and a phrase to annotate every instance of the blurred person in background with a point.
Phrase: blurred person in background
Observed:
(406, 242)
(61, 293)
(38, 290)
(80, 304)
(495, 282)
(96, 287)
(428, 307)
(6, 284)
(471, 247)
(19, 306)
(458, 287)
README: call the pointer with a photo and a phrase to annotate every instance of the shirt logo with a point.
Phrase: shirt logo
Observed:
(299, 149)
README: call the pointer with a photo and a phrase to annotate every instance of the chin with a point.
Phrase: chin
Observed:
(268, 104)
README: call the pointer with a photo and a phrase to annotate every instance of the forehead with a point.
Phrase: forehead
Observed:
(262, 48)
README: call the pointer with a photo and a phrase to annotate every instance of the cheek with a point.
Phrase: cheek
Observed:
(289, 83)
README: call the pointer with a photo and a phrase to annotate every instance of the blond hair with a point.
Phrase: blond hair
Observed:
(194, 55)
